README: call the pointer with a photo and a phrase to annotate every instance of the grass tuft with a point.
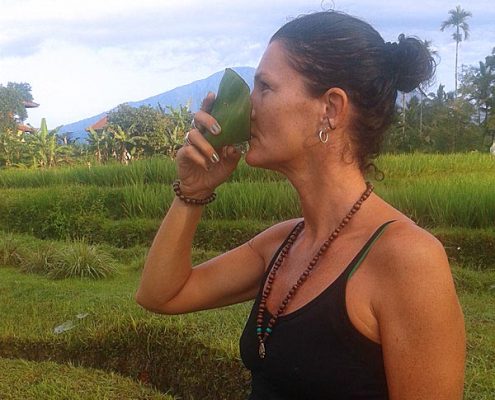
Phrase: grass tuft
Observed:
(82, 260)
(41, 259)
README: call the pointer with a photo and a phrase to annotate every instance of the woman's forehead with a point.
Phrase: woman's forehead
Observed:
(274, 61)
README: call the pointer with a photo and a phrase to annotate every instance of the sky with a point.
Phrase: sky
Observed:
(86, 57)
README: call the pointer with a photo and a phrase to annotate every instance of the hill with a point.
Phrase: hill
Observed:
(192, 94)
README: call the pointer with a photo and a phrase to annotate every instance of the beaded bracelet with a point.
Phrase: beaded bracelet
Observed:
(190, 200)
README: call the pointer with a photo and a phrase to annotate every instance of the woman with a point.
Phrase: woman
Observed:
(353, 300)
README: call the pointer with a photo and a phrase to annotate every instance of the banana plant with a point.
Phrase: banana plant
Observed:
(96, 142)
(180, 121)
(11, 148)
(46, 152)
(126, 145)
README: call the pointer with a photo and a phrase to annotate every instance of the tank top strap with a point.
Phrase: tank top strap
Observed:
(354, 265)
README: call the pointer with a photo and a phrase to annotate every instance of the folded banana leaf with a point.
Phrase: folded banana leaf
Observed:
(232, 110)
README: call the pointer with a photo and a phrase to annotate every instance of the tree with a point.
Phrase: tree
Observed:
(12, 110)
(179, 121)
(125, 144)
(157, 131)
(478, 87)
(44, 148)
(457, 20)
(12, 148)
(144, 122)
(96, 140)
(23, 88)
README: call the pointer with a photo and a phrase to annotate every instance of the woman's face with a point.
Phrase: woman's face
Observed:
(285, 119)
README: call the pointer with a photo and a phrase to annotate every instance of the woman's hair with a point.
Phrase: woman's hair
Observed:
(333, 49)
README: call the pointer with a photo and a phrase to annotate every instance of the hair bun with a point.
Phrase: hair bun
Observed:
(410, 61)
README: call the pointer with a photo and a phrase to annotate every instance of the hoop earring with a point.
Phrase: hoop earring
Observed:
(323, 135)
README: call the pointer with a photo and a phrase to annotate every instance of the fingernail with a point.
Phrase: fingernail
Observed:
(214, 158)
(215, 129)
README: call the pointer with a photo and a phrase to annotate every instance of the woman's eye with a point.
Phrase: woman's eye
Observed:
(264, 86)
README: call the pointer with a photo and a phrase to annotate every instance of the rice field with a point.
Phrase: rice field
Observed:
(434, 190)
(162, 170)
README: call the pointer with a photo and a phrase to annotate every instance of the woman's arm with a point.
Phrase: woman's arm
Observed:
(169, 283)
(421, 322)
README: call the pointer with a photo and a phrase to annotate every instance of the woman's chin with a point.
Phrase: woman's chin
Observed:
(255, 158)
(251, 158)
(254, 155)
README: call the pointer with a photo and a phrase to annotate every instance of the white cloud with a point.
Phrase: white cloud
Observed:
(84, 57)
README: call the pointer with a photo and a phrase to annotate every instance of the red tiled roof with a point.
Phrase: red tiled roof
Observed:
(100, 124)
(25, 128)
(30, 104)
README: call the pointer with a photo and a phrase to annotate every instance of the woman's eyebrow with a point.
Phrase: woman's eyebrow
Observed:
(259, 76)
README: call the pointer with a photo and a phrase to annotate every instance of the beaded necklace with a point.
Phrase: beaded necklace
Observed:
(263, 336)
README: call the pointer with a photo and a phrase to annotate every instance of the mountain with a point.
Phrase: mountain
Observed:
(192, 94)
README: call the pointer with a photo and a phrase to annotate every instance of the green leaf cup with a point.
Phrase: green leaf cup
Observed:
(232, 110)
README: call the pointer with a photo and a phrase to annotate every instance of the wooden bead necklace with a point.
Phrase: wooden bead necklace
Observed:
(263, 336)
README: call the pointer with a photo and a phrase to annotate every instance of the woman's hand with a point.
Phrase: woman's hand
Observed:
(200, 168)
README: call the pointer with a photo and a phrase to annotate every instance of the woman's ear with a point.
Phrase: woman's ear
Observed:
(336, 106)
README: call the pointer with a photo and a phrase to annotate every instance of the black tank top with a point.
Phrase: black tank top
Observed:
(315, 352)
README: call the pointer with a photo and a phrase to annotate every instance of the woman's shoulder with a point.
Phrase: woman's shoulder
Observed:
(405, 241)
(267, 242)
(409, 259)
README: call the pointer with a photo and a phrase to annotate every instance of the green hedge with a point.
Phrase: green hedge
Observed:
(58, 211)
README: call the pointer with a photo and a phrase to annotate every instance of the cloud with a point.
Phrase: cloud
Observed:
(84, 57)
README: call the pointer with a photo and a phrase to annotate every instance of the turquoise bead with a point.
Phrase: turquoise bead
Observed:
(259, 330)
(268, 330)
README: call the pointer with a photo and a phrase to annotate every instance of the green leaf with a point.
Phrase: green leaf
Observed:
(232, 110)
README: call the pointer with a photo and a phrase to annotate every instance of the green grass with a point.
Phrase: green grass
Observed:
(116, 332)
(434, 190)
(196, 355)
(415, 165)
(27, 380)
(118, 335)
(467, 201)
(162, 170)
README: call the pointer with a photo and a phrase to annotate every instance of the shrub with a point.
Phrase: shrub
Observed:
(82, 260)
(41, 260)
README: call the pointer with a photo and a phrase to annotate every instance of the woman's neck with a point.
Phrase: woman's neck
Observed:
(326, 196)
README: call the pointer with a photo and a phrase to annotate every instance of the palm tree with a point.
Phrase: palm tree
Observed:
(457, 20)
